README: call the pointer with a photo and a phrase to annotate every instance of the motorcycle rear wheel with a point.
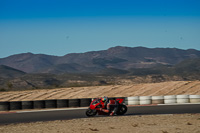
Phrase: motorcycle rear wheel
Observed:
(90, 113)
(122, 110)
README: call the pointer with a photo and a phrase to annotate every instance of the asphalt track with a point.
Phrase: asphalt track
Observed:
(66, 114)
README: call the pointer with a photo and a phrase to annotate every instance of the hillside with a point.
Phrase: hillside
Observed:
(108, 67)
(142, 89)
(117, 57)
(8, 72)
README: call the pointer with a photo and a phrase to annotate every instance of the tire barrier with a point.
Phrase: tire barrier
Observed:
(157, 99)
(194, 98)
(132, 100)
(182, 98)
(15, 105)
(4, 106)
(145, 100)
(85, 102)
(39, 104)
(27, 104)
(62, 103)
(50, 104)
(73, 102)
(170, 99)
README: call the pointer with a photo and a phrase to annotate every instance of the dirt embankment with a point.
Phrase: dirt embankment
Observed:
(179, 123)
(151, 89)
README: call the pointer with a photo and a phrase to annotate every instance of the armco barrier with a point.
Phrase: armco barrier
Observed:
(85, 102)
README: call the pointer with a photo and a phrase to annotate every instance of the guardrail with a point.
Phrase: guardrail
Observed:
(84, 102)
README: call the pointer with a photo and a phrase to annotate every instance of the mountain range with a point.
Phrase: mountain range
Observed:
(124, 58)
(112, 66)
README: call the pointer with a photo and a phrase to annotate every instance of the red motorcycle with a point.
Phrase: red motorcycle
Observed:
(97, 105)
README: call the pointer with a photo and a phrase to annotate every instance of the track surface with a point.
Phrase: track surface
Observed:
(25, 117)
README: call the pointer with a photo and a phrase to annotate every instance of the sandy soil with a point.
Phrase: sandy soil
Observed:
(151, 89)
(178, 123)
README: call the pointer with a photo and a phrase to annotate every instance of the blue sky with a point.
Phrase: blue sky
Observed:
(59, 27)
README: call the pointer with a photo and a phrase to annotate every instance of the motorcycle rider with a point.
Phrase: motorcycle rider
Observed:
(111, 106)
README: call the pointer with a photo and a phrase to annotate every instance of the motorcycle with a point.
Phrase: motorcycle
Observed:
(97, 105)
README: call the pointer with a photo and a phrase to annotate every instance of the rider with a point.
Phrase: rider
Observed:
(111, 106)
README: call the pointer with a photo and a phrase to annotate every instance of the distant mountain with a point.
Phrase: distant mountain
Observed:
(29, 62)
(8, 72)
(124, 58)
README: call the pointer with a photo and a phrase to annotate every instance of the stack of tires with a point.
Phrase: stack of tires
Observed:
(145, 100)
(194, 98)
(170, 99)
(157, 99)
(132, 100)
(182, 98)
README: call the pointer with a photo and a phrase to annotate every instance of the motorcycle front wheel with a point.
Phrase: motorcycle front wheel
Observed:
(89, 112)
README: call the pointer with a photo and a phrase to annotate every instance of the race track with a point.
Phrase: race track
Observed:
(66, 114)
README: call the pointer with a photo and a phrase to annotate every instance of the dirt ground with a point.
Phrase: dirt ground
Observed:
(177, 123)
(143, 89)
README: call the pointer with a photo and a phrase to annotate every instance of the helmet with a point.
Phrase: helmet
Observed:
(104, 98)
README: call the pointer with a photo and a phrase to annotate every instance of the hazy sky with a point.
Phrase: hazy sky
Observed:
(58, 27)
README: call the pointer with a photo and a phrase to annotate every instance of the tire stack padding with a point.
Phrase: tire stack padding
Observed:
(144, 100)
(194, 98)
(182, 99)
(4, 106)
(85, 102)
(170, 99)
(40, 104)
(62, 103)
(27, 104)
(73, 102)
(132, 100)
(15, 105)
(50, 104)
(157, 99)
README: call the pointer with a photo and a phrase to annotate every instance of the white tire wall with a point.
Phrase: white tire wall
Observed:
(194, 98)
(182, 98)
(170, 99)
(145, 100)
(157, 99)
(132, 100)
